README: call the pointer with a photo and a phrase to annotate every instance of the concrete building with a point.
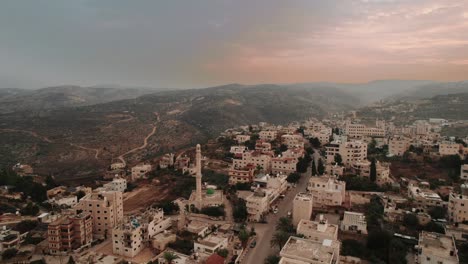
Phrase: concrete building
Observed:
(327, 191)
(64, 200)
(423, 196)
(166, 161)
(449, 148)
(293, 141)
(253, 158)
(181, 258)
(140, 171)
(354, 222)
(382, 171)
(242, 138)
(361, 131)
(211, 244)
(283, 165)
(317, 231)
(243, 175)
(458, 205)
(161, 240)
(302, 207)
(106, 209)
(305, 251)
(351, 151)
(70, 232)
(117, 185)
(334, 170)
(136, 232)
(268, 135)
(237, 149)
(435, 248)
(10, 239)
(464, 172)
(397, 146)
(262, 145)
(258, 204)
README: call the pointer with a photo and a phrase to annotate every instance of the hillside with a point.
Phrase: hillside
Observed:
(13, 100)
(79, 142)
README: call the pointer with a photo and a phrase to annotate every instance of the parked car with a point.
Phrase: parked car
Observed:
(253, 244)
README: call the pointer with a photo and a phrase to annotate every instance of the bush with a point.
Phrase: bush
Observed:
(30, 209)
(215, 211)
(293, 177)
(9, 253)
(25, 226)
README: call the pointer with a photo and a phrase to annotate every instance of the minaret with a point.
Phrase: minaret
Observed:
(198, 176)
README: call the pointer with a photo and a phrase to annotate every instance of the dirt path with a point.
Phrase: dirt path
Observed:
(96, 151)
(145, 143)
(32, 133)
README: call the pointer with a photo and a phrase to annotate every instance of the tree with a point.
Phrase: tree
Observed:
(437, 212)
(285, 224)
(215, 211)
(222, 252)
(338, 159)
(169, 257)
(71, 260)
(25, 226)
(314, 168)
(314, 142)
(410, 220)
(351, 247)
(279, 239)
(239, 211)
(9, 253)
(320, 167)
(293, 177)
(30, 209)
(272, 259)
(373, 171)
(243, 237)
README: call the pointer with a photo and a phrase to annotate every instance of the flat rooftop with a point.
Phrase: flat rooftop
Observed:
(307, 250)
(212, 240)
(308, 226)
(439, 245)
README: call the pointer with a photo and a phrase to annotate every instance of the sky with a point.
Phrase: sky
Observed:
(199, 43)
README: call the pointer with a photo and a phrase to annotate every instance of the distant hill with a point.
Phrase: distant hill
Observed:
(434, 89)
(13, 100)
(79, 142)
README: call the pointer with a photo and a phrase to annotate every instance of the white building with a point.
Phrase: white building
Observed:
(140, 171)
(117, 184)
(211, 244)
(327, 191)
(361, 131)
(435, 248)
(355, 222)
(305, 251)
(302, 207)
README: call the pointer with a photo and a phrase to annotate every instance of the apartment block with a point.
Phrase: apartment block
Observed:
(293, 141)
(262, 145)
(132, 236)
(106, 209)
(317, 231)
(268, 135)
(351, 151)
(242, 138)
(435, 248)
(283, 165)
(117, 185)
(423, 196)
(327, 191)
(361, 131)
(305, 251)
(397, 146)
(255, 158)
(382, 171)
(242, 175)
(449, 148)
(464, 172)
(70, 232)
(258, 204)
(458, 205)
(302, 207)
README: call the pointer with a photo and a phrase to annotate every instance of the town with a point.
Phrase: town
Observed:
(336, 190)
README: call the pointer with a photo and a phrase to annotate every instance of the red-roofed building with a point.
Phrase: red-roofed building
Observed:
(215, 259)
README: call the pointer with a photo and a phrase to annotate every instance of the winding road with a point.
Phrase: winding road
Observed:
(145, 143)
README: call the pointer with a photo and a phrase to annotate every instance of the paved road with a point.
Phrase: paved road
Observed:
(265, 231)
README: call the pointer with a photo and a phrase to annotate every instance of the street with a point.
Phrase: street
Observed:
(265, 231)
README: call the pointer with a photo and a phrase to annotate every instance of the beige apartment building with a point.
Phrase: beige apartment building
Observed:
(458, 205)
(258, 204)
(361, 131)
(424, 197)
(382, 171)
(293, 141)
(70, 232)
(351, 151)
(317, 230)
(262, 145)
(327, 191)
(242, 138)
(255, 158)
(302, 207)
(106, 209)
(243, 175)
(268, 135)
(449, 148)
(283, 165)
(140, 171)
(304, 251)
(397, 146)
(464, 172)
(435, 248)
(117, 185)
(136, 232)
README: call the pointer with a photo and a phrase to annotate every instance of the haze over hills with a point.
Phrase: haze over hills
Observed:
(84, 129)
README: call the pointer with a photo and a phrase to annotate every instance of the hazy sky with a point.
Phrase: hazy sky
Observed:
(196, 43)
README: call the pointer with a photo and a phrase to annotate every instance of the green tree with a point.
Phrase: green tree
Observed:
(272, 259)
(320, 167)
(410, 220)
(222, 252)
(338, 159)
(239, 211)
(30, 209)
(314, 168)
(25, 226)
(169, 257)
(373, 171)
(285, 225)
(314, 142)
(243, 237)
(9, 253)
(437, 212)
(293, 177)
(71, 260)
(279, 239)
